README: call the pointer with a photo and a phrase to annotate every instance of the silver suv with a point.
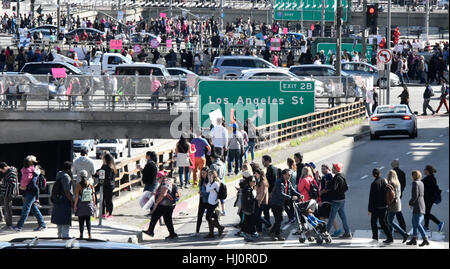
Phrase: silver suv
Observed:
(232, 66)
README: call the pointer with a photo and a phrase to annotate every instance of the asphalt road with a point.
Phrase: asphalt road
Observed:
(431, 147)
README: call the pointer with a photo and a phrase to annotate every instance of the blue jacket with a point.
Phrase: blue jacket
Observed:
(279, 194)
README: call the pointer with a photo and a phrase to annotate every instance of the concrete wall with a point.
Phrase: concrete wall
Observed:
(20, 127)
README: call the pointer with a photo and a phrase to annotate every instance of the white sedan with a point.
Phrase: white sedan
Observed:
(393, 120)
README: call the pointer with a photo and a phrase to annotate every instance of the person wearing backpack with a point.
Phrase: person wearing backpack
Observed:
(213, 187)
(395, 206)
(305, 183)
(336, 192)
(427, 94)
(164, 205)
(9, 189)
(431, 192)
(84, 203)
(417, 203)
(62, 199)
(378, 206)
(218, 166)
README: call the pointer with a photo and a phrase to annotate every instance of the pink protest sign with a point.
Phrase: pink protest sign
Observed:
(137, 49)
(163, 15)
(275, 44)
(115, 44)
(59, 72)
(285, 31)
(169, 43)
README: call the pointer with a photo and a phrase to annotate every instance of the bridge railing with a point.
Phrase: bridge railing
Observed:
(282, 131)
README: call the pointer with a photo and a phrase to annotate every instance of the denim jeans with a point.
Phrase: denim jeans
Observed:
(416, 223)
(259, 219)
(338, 207)
(393, 225)
(63, 231)
(234, 156)
(251, 148)
(184, 173)
(28, 205)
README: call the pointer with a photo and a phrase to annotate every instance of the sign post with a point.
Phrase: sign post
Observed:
(101, 176)
(262, 101)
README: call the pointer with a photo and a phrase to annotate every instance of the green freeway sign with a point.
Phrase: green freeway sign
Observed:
(308, 10)
(263, 101)
(330, 49)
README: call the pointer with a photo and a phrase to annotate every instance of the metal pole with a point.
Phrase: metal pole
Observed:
(18, 21)
(221, 15)
(323, 19)
(129, 147)
(388, 66)
(170, 8)
(427, 19)
(338, 37)
(58, 17)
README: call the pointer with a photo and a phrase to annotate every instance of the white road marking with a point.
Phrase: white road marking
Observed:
(382, 167)
(232, 241)
(432, 140)
(363, 177)
(374, 162)
(409, 153)
(441, 135)
(285, 227)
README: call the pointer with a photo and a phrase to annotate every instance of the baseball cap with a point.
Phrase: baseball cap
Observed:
(312, 165)
(338, 166)
(32, 158)
(161, 174)
(246, 174)
(83, 173)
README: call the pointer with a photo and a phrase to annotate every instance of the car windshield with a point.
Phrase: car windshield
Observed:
(108, 141)
(391, 109)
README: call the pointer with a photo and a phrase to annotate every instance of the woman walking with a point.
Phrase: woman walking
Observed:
(84, 203)
(304, 184)
(430, 186)
(164, 206)
(183, 150)
(293, 168)
(213, 188)
(262, 199)
(248, 208)
(418, 204)
(108, 186)
(395, 207)
(63, 201)
(203, 201)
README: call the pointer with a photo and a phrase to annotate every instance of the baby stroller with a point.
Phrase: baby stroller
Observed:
(310, 227)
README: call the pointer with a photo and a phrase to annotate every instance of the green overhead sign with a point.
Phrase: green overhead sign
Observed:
(330, 48)
(308, 10)
(262, 101)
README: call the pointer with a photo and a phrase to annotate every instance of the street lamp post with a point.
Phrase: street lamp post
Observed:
(388, 66)
(427, 19)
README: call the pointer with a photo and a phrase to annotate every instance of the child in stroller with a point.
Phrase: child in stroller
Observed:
(309, 225)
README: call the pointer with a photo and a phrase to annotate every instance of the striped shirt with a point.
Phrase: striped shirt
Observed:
(9, 183)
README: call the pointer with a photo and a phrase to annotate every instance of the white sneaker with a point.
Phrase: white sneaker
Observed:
(374, 241)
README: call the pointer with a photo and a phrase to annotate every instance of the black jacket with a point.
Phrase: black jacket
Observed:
(377, 194)
(248, 200)
(401, 178)
(149, 173)
(280, 195)
(272, 176)
(300, 167)
(430, 185)
(110, 177)
(337, 188)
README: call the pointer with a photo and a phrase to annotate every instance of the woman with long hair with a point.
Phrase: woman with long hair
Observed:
(213, 187)
(395, 206)
(109, 184)
(262, 199)
(203, 201)
(293, 168)
(430, 185)
(183, 150)
(304, 184)
(417, 203)
(84, 203)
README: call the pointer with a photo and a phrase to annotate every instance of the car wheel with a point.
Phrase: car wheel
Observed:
(147, 145)
(151, 144)
(413, 134)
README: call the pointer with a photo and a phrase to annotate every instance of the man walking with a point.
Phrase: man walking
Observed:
(402, 179)
(427, 94)
(378, 207)
(236, 146)
(9, 187)
(219, 136)
(201, 147)
(336, 190)
(84, 163)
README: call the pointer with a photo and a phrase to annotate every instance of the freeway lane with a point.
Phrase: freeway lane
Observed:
(431, 147)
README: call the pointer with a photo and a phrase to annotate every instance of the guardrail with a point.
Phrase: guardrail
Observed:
(282, 131)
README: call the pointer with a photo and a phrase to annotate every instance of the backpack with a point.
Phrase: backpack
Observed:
(313, 190)
(389, 194)
(86, 194)
(222, 193)
(42, 183)
(437, 195)
(174, 195)
(56, 196)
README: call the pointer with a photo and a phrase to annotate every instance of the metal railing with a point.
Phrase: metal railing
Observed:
(282, 131)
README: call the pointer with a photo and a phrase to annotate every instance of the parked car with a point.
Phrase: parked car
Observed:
(69, 243)
(365, 69)
(443, 3)
(393, 120)
(232, 66)
(34, 89)
(146, 142)
(87, 145)
(322, 72)
(115, 146)
(45, 68)
(92, 31)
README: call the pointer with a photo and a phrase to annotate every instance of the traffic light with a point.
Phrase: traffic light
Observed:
(372, 16)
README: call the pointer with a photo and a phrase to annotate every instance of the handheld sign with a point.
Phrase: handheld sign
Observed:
(59, 72)
(285, 31)
(115, 44)
(163, 15)
(275, 44)
(169, 43)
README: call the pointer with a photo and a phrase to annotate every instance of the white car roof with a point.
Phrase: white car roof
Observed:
(142, 65)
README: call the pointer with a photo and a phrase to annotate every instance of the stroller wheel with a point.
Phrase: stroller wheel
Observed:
(319, 240)
(311, 239)
(328, 240)
(301, 240)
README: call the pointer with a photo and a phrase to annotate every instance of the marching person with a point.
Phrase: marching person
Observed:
(443, 97)
(8, 189)
(109, 184)
(262, 198)
(203, 199)
(62, 199)
(395, 164)
(417, 203)
(84, 203)
(427, 94)
(395, 207)
(248, 207)
(430, 186)
(212, 188)
(183, 150)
